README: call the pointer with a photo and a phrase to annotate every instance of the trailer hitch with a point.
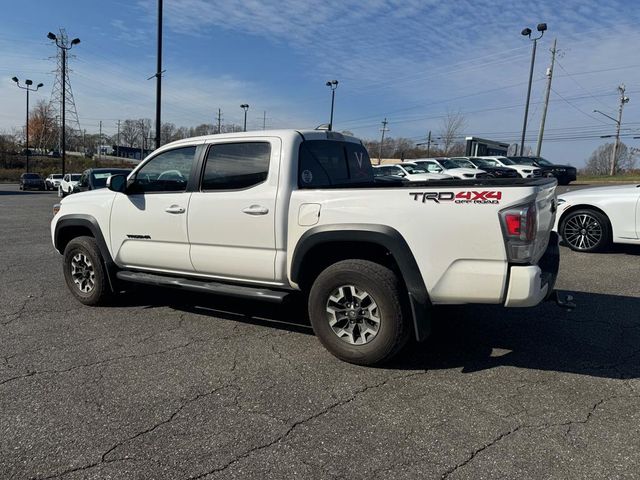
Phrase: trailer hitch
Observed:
(566, 302)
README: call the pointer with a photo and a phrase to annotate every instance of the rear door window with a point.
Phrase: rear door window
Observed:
(324, 163)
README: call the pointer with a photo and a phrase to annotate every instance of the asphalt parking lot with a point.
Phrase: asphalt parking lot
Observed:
(172, 385)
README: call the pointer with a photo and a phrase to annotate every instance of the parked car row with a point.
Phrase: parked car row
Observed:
(465, 168)
(90, 179)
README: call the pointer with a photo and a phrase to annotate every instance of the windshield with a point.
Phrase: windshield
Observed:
(31, 175)
(483, 162)
(449, 164)
(414, 169)
(100, 178)
(543, 161)
(75, 177)
(56, 176)
(463, 162)
(523, 160)
(506, 161)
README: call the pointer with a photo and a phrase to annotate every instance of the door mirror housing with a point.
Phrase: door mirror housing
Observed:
(117, 183)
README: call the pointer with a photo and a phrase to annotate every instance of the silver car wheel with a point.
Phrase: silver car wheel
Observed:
(82, 273)
(353, 315)
(582, 232)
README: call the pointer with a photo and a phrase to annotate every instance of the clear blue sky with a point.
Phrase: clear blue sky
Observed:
(408, 60)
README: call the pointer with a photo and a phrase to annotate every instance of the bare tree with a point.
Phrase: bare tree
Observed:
(168, 132)
(599, 162)
(129, 132)
(451, 129)
(42, 125)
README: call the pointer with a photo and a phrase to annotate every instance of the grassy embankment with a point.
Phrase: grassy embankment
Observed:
(620, 178)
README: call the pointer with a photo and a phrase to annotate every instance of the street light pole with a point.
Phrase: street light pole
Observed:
(159, 77)
(542, 27)
(27, 84)
(64, 48)
(332, 84)
(245, 107)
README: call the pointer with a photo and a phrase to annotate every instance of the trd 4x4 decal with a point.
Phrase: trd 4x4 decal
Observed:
(471, 196)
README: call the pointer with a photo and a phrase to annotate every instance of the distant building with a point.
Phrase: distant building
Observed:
(479, 147)
(129, 152)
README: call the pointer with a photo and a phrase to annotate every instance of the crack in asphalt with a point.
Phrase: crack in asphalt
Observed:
(296, 424)
(103, 457)
(210, 339)
(543, 426)
(100, 362)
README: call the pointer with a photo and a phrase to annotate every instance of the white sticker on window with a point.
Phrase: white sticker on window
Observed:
(307, 176)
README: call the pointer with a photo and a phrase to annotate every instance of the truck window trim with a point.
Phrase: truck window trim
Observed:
(202, 166)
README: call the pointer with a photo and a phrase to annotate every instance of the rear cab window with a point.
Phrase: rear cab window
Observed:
(331, 163)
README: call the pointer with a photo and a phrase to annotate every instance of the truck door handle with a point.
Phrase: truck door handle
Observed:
(174, 209)
(256, 210)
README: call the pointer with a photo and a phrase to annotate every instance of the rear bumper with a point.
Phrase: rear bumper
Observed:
(531, 284)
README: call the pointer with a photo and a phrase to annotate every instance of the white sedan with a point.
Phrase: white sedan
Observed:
(413, 173)
(67, 184)
(590, 219)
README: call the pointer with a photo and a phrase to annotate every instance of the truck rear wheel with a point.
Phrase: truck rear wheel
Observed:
(355, 308)
(84, 271)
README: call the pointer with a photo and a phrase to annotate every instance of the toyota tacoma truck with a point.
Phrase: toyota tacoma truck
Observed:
(262, 214)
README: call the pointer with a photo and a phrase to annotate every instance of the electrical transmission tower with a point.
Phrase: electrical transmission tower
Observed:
(55, 103)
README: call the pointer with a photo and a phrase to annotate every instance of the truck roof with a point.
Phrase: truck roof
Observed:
(284, 134)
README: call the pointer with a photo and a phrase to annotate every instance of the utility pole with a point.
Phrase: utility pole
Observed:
(428, 143)
(118, 141)
(623, 99)
(141, 139)
(219, 121)
(159, 77)
(384, 129)
(546, 97)
(616, 145)
(100, 143)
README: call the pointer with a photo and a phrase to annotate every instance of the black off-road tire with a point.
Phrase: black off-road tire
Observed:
(384, 288)
(100, 293)
(593, 222)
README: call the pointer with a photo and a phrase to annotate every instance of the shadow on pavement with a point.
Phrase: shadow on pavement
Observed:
(601, 337)
(290, 315)
(26, 192)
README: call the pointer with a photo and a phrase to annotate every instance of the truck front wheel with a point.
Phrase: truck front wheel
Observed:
(84, 271)
(355, 308)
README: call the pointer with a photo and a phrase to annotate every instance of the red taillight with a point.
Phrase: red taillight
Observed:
(520, 227)
(512, 222)
(520, 222)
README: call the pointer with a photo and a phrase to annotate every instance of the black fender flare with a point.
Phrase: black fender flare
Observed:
(381, 235)
(89, 222)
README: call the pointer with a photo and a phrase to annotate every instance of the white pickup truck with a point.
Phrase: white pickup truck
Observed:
(262, 214)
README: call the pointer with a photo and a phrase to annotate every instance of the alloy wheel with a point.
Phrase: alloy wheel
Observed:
(82, 273)
(583, 231)
(353, 315)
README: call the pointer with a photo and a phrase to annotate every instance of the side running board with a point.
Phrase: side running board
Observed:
(259, 293)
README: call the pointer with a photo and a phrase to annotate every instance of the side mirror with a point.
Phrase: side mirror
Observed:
(117, 183)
